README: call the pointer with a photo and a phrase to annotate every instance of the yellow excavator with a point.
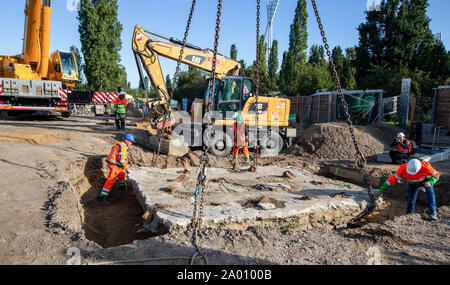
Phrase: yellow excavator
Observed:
(233, 94)
(35, 80)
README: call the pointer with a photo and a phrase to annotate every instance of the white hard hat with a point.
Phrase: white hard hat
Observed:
(413, 167)
(400, 135)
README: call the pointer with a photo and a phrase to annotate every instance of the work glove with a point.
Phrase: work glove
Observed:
(382, 189)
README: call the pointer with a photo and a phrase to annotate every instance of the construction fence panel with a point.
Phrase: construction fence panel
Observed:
(442, 112)
(326, 106)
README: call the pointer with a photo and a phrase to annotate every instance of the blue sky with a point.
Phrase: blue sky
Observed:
(168, 17)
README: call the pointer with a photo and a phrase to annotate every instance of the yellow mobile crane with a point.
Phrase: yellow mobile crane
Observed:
(36, 80)
(234, 94)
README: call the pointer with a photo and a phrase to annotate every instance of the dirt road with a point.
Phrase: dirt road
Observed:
(52, 169)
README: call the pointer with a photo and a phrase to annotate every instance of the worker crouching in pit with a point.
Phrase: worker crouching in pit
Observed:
(404, 149)
(418, 174)
(118, 168)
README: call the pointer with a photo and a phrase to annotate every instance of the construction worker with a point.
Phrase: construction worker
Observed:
(417, 174)
(404, 149)
(240, 141)
(118, 167)
(121, 111)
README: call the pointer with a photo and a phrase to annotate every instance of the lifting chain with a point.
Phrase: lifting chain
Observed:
(360, 159)
(162, 132)
(258, 17)
(197, 215)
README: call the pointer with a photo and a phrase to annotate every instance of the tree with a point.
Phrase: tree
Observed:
(169, 84)
(317, 56)
(80, 65)
(398, 41)
(438, 62)
(147, 83)
(345, 67)
(264, 80)
(348, 80)
(233, 52)
(100, 32)
(313, 77)
(191, 84)
(273, 65)
(295, 58)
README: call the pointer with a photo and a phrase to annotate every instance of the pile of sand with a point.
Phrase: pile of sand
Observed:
(333, 141)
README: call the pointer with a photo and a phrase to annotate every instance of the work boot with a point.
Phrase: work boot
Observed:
(235, 166)
(103, 200)
(247, 159)
(432, 217)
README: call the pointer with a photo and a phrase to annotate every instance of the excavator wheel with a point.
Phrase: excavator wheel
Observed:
(220, 143)
(271, 143)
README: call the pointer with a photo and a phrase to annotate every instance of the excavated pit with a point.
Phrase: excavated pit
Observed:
(73, 208)
(158, 201)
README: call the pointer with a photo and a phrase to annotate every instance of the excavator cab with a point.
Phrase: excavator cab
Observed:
(232, 94)
(65, 67)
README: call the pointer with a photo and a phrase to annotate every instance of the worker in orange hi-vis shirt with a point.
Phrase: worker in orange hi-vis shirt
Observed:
(118, 167)
(417, 174)
(240, 141)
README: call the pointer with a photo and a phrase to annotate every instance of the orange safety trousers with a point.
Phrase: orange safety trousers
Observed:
(114, 174)
(244, 149)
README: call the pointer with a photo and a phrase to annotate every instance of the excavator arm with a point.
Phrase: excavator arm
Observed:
(147, 52)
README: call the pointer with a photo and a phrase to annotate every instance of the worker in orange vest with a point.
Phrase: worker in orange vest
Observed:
(118, 167)
(240, 141)
(403, 151)
(417, 174)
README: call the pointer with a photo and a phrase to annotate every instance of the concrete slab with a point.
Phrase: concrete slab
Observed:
(235, 200)
(425, 155)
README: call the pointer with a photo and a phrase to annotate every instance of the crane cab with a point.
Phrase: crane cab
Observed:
(64, 68)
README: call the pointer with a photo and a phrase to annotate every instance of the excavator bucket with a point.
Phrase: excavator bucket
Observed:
(176, 146)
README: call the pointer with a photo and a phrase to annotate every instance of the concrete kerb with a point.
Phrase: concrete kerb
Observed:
(233, 202)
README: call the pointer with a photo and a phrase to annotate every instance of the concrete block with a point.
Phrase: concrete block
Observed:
(174, 147)
(234, 202)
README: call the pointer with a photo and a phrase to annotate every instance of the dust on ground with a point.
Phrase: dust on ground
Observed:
(47, 205)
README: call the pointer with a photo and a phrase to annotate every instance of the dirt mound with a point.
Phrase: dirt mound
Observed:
(333, 141)
(35, 137)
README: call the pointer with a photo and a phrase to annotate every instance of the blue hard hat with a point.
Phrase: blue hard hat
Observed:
(129, 137)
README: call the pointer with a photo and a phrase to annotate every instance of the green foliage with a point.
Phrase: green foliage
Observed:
(348, 79)
(273, 65)
(311, 78)
(233, 52)
(80, 65)
(191, 84)
(398, 43)
(295, 58)
(266, 85)
(345, 67)
(317, 56)
(79, 60)
(100, 32)
(169, 84)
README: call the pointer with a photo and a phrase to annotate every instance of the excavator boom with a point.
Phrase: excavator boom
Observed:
(147, 51)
